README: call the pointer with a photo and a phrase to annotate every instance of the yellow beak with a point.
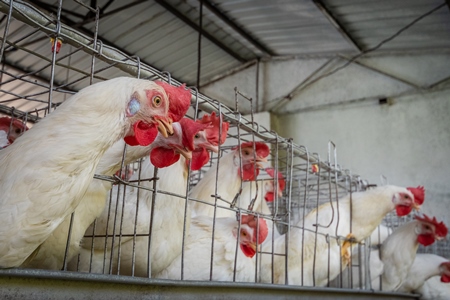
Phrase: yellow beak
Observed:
(165, 127)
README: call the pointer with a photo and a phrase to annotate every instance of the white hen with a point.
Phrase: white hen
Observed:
(51, 253)
(44, 174)
(423, 268)
(399, 249)
(323, 258)
(230, 178)
(168, 219)
(197, 252)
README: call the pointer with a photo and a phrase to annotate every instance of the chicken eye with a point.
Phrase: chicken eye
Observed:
(18, 131)
(246, 152)
(157, 101)
(243, 233)
(197, 136)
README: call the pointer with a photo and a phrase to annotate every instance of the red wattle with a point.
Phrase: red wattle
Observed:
(250, 172)
(248, 251)
(269, 197)
(425, 239)
(144, 133)
(199, 159)
(163, 157)
(403, 210)
(131, 140)
(445, 278)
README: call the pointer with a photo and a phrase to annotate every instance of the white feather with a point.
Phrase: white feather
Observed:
(197, 254)
(44, 174)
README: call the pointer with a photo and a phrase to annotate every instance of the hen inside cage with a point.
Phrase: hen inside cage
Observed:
(223, 198)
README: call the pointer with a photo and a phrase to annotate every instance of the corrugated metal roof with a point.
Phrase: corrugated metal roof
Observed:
(288, 27)
(163, 34)
(370, 22)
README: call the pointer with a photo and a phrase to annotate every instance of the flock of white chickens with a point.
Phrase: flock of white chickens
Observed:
(149, 228)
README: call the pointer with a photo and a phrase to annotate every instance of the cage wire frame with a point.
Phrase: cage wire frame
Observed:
(311, 181)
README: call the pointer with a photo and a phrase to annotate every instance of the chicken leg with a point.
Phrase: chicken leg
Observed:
(346, 246)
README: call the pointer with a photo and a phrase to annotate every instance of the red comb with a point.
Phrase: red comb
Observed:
(179, 100)
(250, 220)
(212, 134)
(440, 228)
(419, 194)
(190, 129)
(262, 150)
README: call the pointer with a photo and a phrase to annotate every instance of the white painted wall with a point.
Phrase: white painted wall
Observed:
(408, 142)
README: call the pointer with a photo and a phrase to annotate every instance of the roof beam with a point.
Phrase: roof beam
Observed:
(212, 8)
(338, 25)
(365, 99)
(193, 25)
(366, 66)
(282, 101)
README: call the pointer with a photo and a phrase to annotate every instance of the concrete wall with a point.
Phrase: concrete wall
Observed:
(408, 142)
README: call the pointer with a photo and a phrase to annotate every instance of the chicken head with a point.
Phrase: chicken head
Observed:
(252, 155)
(168, 150)
(444, 269)
(13, 128)
(270, 185)
(407, 201)
(430, 230)
(153, 110)
(253, 232)
(208, 139)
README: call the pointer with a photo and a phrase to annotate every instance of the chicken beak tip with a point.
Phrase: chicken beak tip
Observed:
(165, 127)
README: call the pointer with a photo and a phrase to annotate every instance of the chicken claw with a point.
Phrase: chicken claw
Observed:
(346, 246)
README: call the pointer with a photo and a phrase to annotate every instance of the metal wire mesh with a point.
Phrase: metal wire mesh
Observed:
(35, 80)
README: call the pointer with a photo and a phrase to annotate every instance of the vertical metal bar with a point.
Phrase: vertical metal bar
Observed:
(105, 249)
(150, 229)
(337, 198)
(188, 187)
(238, 240)
(308, 167)
(52, 69)
(119, 247)
(257, 88)
(97, 19)
(113, 238)
(69, 236)
(138, 192)
(199, 51)
(317, 229)
(211, 266)
(5, 32)
(133, 254)
(289, 176)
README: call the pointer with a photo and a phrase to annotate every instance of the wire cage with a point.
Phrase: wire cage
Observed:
(35, 79)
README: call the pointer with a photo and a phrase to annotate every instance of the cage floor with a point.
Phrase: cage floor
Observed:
(39, 284)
